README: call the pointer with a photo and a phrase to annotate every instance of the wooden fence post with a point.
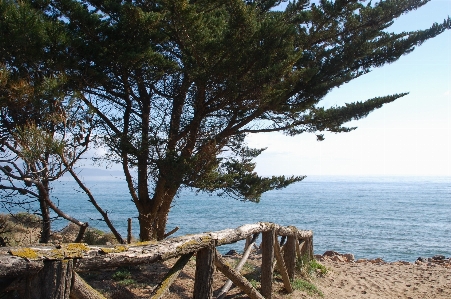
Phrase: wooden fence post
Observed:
(129, 230)
(267, 267)
(307, 248)
(205, 267)
(54, 281)
(289, 256)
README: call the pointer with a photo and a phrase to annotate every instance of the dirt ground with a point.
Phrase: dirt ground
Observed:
(367, 279)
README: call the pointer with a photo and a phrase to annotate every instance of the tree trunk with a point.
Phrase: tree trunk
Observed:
(45, 214)
(145, 225)
(153, 214)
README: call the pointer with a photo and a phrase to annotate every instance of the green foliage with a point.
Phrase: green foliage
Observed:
(256, 284)
(303, 285)
(128, 282)
(36, 143)
(124, 277)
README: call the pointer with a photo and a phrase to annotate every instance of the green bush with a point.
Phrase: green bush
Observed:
(309, 268)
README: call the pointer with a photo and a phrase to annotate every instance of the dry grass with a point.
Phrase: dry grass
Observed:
(20, 229)
(24, 229)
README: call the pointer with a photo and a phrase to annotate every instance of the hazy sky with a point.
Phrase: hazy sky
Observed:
(411, 136)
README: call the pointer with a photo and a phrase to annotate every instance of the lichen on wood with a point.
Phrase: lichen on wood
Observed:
(24, 252)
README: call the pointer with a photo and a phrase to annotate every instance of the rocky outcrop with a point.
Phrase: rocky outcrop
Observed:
(436, 260)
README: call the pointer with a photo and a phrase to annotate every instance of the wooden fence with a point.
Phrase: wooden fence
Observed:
(51, 271)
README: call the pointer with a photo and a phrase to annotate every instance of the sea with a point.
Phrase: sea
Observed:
(394, 218)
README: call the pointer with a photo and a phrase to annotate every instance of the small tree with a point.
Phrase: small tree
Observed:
(179, 84)
(44, 129)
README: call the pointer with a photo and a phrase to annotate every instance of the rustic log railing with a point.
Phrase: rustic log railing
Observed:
(51, 271)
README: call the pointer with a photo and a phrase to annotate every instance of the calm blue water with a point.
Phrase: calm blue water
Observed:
(396, 218)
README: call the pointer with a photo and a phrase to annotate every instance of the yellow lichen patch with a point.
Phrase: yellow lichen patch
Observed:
(74, 250)
(25, 253)
(56, 254)
(116, 249)
(204, 240)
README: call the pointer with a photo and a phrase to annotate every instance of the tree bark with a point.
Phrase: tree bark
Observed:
(205, 267)
(145, 223)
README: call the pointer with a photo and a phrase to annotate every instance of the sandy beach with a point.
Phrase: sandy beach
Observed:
(385, 280)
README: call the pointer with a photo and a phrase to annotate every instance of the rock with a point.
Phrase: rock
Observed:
(377, 260)
(319, 257)
(330, 253)
(438, 257)
(349, 257)
(337, 258)
(232, 252)
(361, 261)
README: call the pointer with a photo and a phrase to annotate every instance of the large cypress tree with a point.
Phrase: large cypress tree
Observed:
(179, 84)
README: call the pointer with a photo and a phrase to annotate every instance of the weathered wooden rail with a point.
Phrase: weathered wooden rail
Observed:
(51, 271)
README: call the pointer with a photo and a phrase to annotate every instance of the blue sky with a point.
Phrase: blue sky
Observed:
(411, 136)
